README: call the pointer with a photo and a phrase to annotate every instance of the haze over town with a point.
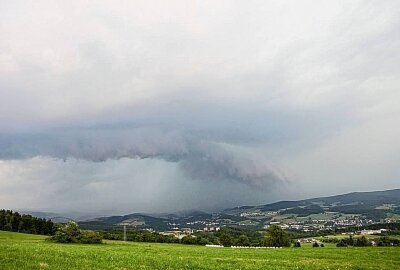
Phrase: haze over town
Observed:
(129, 106)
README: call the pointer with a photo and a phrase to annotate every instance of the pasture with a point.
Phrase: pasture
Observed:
(22, 251)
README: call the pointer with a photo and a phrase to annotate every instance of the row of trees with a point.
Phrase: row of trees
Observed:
(358, 242)
(386, 241)
(15, 222)
(383, 241)
(139, 236)
(275, 236)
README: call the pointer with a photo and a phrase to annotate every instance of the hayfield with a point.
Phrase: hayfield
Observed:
(22, 251)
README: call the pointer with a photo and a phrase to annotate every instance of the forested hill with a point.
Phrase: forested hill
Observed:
(350, 203)
(354, 200)
(351, 208)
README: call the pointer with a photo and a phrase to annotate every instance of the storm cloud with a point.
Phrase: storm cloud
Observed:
(196, 104)
(198, 158)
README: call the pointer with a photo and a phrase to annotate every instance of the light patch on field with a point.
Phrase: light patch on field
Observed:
(43, 265)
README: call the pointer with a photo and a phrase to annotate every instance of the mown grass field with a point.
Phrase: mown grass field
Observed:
(22, 251)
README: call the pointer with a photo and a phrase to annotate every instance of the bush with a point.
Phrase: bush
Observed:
(188, 240)
(385, 241)
(341, 243)
(90, 237)
(297, 244)
(315, 244)
(70, 233)
(322, 245)
(362, 242)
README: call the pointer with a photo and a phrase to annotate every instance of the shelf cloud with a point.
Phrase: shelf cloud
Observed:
(196, 104)
(199, 159)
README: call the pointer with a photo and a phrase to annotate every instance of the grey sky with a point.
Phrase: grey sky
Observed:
(125, 106)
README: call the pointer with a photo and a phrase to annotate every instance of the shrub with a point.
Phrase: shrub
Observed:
(70, 233)
(188, 239)
(385, 241)
(322, 245)
(315, 244)
(297, 244)
(341, 243)
(89, 237)
(362, 242)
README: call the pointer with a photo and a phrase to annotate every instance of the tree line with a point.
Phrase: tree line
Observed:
(138, 236)
(383, 241)
(274, 236)
(15, 222)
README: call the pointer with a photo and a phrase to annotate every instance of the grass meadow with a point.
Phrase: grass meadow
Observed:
(23, 251)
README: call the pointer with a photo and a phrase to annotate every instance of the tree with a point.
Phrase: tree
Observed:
(350, 241)
(362, 242)
(188, 239)
(384, 241)
(276, 237)
(341, 243)
(2, 219)
(15, 222)
(225, 240)
(243, 240)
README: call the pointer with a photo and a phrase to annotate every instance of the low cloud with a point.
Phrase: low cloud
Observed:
(198, 159)
(237, 98)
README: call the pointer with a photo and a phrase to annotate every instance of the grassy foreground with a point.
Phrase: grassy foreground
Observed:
(22, 251)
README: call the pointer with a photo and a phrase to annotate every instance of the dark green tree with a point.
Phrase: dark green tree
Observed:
(342, 243)
(277, 237)
(225, 240)
(384, 241)
(362, 242)
(243, 240)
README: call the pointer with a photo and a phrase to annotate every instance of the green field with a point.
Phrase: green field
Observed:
(22, 251)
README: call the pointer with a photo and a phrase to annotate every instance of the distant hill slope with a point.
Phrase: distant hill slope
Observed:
(371, 198)
(363, 200)
(376, 206)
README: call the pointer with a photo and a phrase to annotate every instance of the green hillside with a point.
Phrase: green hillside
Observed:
(356, 208)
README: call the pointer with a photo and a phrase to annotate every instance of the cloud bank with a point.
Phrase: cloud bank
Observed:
(196, 104)
(199, 159)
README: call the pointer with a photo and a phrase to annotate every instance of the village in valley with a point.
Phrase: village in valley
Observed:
(343, 214)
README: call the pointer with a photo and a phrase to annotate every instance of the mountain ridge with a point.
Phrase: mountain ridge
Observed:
(349, 209)
(354, 208)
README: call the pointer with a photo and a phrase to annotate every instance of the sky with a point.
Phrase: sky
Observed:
(117, 107)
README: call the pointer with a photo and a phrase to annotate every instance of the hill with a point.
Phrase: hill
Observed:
(332, 212)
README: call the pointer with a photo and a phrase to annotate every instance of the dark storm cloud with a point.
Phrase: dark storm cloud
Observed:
(199, 159)
(142, 94)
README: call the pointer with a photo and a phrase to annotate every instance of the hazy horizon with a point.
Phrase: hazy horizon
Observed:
(154, 106)
(111, 212)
